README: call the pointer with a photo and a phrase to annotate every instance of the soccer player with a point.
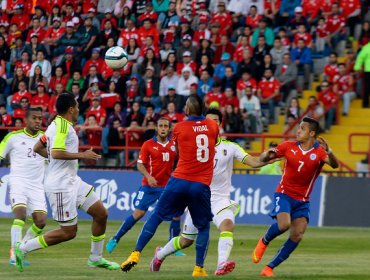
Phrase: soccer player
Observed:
(156, 161)
(195, 139)
(25, 180)
(304, 160)
(223, 209)
(65, 190)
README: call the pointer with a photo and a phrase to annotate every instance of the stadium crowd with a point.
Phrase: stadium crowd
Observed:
(248, 58)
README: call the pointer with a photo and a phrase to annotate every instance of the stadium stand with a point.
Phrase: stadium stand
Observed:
(264, 63)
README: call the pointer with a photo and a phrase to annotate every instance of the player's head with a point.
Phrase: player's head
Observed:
(308, 128)
(214, 114)
(163, 127)
(67, 107)
(33, 119)
(194, 106)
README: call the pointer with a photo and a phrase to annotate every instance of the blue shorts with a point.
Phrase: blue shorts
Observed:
(179, 194)
(296, 208)
(146, 197)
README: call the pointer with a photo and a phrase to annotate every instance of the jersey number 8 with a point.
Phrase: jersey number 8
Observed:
(202, 148)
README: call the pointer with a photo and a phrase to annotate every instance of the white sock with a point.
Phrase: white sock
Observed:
(33, 244)
(171, 247)
(225, 244)
(97, 244)
(32, 232)
(16, 234)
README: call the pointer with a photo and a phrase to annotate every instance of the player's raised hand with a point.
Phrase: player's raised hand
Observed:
(90, 154)
(268, 155)
(152, 181)
(323, 143)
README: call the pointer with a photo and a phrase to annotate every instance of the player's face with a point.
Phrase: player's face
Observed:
(163, 128)
(215, 118)
(303, 132)
(34, 121)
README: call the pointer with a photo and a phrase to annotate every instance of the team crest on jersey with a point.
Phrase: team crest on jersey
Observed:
(173, 148)
(225, 152)
(312, 156)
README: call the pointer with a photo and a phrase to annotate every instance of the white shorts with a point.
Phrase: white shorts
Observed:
(27, 196)
(222, 209)
(64, 205)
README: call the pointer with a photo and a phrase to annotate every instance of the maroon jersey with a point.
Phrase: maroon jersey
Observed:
(301, 169)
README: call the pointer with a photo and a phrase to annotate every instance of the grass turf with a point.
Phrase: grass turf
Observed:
(325, 253)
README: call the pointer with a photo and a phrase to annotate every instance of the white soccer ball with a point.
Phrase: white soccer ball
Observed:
(116, 57)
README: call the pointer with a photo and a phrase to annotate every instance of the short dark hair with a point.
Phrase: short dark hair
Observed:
(313, 124)
(149, 105)
(64, 102)
(215, 111)
(32, 110)
(163, 119)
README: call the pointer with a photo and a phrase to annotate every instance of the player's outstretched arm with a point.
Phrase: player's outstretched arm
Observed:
(64, 155)
(254, 162)
(40, 149)
(151, 180)
(268, 155)
(331, 159)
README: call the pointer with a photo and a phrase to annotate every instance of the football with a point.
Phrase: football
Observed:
(116, 57)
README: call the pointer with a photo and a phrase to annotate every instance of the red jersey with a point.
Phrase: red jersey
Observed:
(224, 19)
(153, 16)
(127, 34)
(310, 8)
(191, 64)
(241, 85)
(234, 101)
(268, 5)
(158, 160)
(51, 108)
(239, 51)
(7, 120)
(26, 67)
(331, 71)
(19, 113)
(93, 137)
(349, 7)
(268, 87)
(40, 101)
(336, 23)
(54, 81)
(305, 36)
(176, 117)
(53, 33)
(345, 84)
(16, 98)
(218, 97)
(301, 169)
(98, 112)
(253, 21)
(196, 140)
(328, 98)
(201, 34)
(99, 63)
(143, 33)
(22, 21)
(40, 32)
(322, 31)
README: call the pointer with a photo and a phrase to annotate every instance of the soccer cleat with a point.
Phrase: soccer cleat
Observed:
(199, 272)
(267, 272)
(131, 261)
(179, 254)
(111, 245)
(259, 251)
(103, 263)
(19, 257)
(225, 268)
(156, 263)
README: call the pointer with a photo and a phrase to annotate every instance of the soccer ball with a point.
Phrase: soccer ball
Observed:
(116, 57)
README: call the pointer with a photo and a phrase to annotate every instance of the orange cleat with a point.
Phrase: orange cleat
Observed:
(267, 272)
(258, 251)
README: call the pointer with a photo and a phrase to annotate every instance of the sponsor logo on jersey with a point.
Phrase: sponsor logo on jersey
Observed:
(313, 156)
(225, 152)
(155, 148)
(23, 143)
(173, 148)
(294, 151)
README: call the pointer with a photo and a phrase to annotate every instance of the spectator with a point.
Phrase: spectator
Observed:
(216, 95)
(59, 89)
(331, 70)
(150, 115)
(108, 31)
(167, 47)
(108, 17)
(36, 30)
(90, 133)
(117, 114)
(120, 82)
(221, 67)
(264, 31)
(22, 92)
(286, 11)
(20, 17)
(302, 34)
(286, 73)
(16, 52)
(18, 122)
(247, 65)
(170, 61)
(135, 115)
(134, 136)
(76, 78)
(232, 122)
(149, 130)
(98, 111)
(330, 101)
(115, 139)
(301, 56)
(45, 66)
(25, 63)
(242, 44)
(202, 33)
(250, 108)
(146, 30)
(87, 36)
(19, 76)
(297, 21)
(253, 17)
(148, 14)
(187, 78)
(365, 34)
(130, 32)
(41, 99)
(20, 112)
(246, 81)
(132, 50)
(171, 78)
(53, 34)
(4, 49)
(166, 16)
(278, 51)
(230, 98)
(172, 113)
(225, 47)
(36, 78)
(363, 60)
(187, 62)
(70, 63)
(344, 87)
(34, 46)
(57, 78)
(266, 63)
(260, 50)
(205, 64)
(6, 119)
(336, 25)
(150, 95)
(223, 17)
(172, 96)
(229, 80)
(268, 93)
(93, 77)
(316, 111)
(205, 84)
(293, 109)
(322, 36)
(150, 60)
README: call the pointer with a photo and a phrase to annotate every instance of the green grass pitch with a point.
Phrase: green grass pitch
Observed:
(325, 253)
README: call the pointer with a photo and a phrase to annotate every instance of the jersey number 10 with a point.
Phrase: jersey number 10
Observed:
(202, 148)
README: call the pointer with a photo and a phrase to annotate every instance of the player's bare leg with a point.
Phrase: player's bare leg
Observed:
(282, 225)
(225, 244)
(100, 215)
(297, 229)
